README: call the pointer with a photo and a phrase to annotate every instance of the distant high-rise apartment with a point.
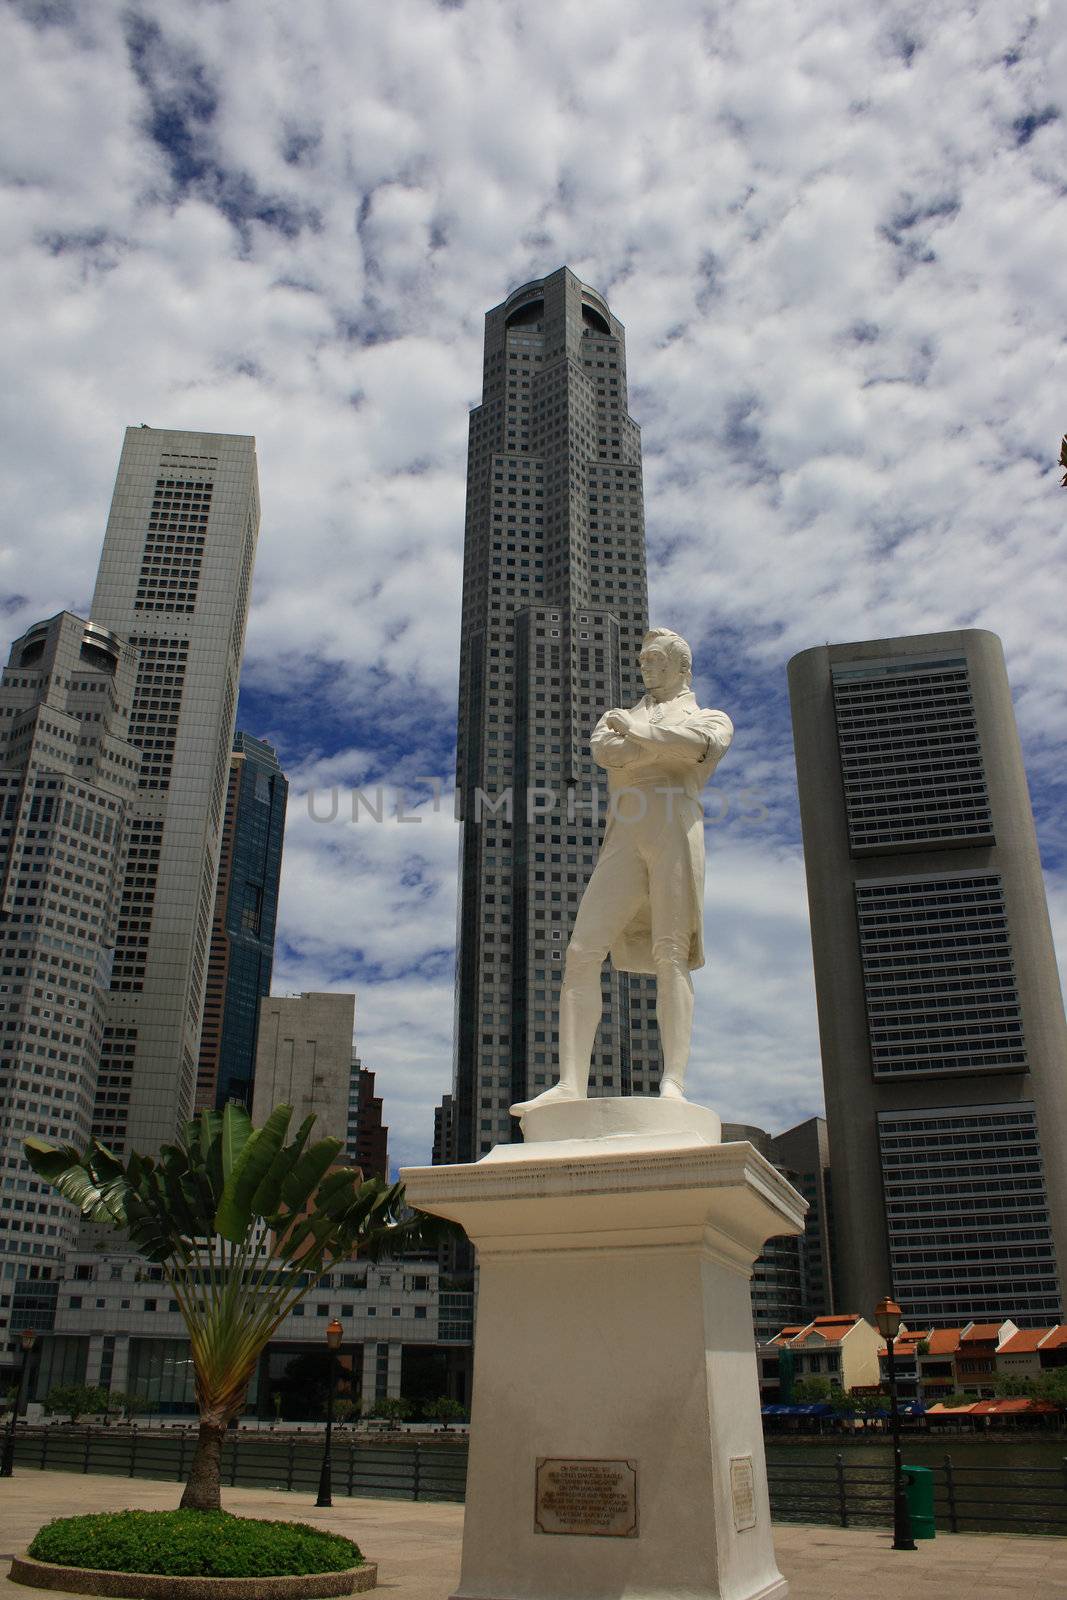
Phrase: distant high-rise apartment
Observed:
(367, 1144)
(554, 609)
(242, 930)
(174, 578)
(803, 1153)
(944, 1045)
(792, 1280)
(443, 1136)
(68, 782)
(304, 1060)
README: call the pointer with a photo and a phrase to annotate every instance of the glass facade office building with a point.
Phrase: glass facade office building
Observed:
(941, 1019)
(246, 915)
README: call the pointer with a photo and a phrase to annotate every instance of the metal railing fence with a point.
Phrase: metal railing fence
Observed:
(966, 1497)
(407, 1470)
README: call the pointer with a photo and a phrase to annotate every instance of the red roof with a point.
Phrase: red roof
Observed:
(1025, 1342)
(944, 1342)
(1009, 1408)
(906, 1342)
(996, 1408)
(1057, 1336)
(983, 1332)
(834, 1328)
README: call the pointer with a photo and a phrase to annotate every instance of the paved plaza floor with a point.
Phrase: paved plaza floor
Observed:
(417, 1545)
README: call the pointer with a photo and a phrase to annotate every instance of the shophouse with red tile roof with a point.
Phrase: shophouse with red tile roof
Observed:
(937, 1364)
(906, 1347)
(976, 1359)
(1020, 1356)
(843, 1349)
(1053, 1349)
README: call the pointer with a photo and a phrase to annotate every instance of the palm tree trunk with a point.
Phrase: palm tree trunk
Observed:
(202, 1486)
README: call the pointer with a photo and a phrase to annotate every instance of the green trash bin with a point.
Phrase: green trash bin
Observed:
(919, 1493)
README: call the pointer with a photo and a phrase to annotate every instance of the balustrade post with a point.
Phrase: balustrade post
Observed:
(842, 1497)
(415, 1481)
(85, 1453)
(289, 1460)
(950, 1478)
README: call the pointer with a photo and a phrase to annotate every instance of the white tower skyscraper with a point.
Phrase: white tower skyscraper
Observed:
(174, 579)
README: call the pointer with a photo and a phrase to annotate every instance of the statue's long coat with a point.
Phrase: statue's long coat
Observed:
(654, 767)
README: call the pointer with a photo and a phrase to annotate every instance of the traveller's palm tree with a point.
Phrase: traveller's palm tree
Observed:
(243, 1226)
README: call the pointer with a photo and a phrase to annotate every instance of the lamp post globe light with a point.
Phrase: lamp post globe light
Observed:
(887, 1316)
(334, 1334)
(27, 1338)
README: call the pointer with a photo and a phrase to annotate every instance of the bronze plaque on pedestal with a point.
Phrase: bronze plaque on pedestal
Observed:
(589, 1497)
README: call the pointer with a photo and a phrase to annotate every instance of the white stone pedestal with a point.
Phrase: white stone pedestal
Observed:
(614, 1360)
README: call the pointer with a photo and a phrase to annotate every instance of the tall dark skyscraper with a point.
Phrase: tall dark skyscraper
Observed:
(554, 608)
(944, 1045)
(242, 930)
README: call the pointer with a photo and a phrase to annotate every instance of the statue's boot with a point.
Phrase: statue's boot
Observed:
(674, 1012)
(579, 1017)
(559, 1091)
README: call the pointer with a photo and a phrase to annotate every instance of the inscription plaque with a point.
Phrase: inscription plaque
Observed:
(743, 1492)
(589, 1497)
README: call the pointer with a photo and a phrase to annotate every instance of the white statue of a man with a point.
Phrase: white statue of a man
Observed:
(644, 902)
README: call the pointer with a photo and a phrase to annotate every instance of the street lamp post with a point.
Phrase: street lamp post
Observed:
(334, 1332)
(887, 1315)
(27, 1339)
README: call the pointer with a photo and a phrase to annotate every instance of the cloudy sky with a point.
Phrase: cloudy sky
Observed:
(836, 237)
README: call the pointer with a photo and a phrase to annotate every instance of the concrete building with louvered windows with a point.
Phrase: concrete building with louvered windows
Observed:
(944, 1045)
(554, 608)
(174, 579)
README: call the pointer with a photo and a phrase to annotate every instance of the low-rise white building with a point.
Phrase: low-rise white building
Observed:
(118, 1325)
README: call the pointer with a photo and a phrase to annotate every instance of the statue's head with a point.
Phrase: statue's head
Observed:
(665, 642)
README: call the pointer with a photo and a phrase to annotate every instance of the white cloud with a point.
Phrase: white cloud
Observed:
(834, 239)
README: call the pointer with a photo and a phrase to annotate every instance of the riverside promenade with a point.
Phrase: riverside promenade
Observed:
(417, 1544)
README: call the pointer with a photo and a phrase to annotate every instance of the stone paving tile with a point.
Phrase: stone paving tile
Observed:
(417, 1546)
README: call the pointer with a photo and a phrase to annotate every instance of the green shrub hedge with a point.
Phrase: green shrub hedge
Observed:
(188, 1544)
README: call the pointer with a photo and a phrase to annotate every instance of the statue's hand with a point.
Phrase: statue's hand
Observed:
(619, 722)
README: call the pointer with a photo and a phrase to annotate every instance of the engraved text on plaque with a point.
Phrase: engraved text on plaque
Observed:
(743, 1492)
(587, 1497)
